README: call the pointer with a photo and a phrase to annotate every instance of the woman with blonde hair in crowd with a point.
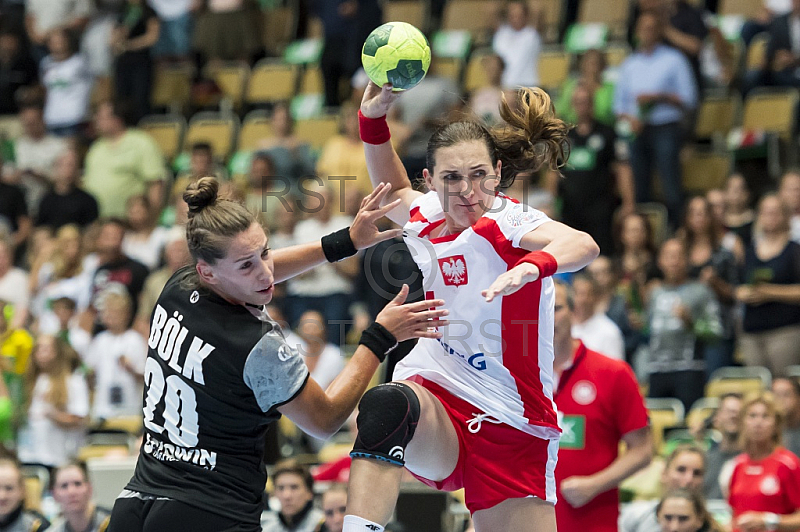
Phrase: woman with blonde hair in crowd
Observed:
(685, 511)
(764, 491)
(57, 404)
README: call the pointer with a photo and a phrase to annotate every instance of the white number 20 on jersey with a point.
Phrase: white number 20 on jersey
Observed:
(180, 405)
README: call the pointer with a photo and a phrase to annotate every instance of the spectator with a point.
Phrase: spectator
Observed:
(605, 274)
(43, 17)
(116, 356)
(67, 203)
(683, 315)
(72, 490)
(290, 155)
(136, 33)
(591, 66)
(176, 256)
(324, 360)
(121, 163)
(787, 401)
(115, 270)
(294, 488)
(16, 345)
(201, 164)
(739, 215)
(596, 330)
(783, 53)
(268, 192)
(340, 48)
(768, 12)
(57, 405)
(35, 155)
(519, 44)
(13, 514)
(485, 101)
(334, 508)
(685, 511)
(684, 469)
(68, 273)
(226, 30)
(342, 163)
(771, 293)
(654, 92)
(727, 238)
(765, 484)
(66, 76)
(14, 219)
(686, 31)
(13, 283)
(328, 287)
(716, 267)
(175, 35)
(68, 330)
(596, 174)
(789, 193)
(17, 70)
(725, 421)
(601, 406)
(144, 240)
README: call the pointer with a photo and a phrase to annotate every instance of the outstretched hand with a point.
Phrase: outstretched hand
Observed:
(363, 231)
(511, 281)
(412, 320)
(377, 100)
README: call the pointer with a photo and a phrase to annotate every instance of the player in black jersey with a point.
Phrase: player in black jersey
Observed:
(219, 370)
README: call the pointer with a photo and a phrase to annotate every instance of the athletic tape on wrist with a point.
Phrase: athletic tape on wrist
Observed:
(378, 340)
(373, 130)
(338, 245)
(541, 259)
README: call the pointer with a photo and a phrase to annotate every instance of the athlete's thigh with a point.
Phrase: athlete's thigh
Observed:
(176, 516)
(433, 451)
(128, 515)
(529, 514)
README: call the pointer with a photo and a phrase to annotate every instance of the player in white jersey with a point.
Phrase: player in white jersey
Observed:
(473, 409)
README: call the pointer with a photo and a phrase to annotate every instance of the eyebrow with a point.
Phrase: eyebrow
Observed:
(266, 246)
(454, 171)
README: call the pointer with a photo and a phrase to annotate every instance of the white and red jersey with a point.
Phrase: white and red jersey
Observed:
(497, 356)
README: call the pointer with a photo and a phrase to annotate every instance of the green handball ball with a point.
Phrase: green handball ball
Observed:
(396, 53)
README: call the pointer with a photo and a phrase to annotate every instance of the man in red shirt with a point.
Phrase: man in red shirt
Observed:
(599, 405)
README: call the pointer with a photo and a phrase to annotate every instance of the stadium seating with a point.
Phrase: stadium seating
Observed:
(703, 171)
(552, 17)
(664, 413)
(757, 52)
(311, 81)
(793, 371)
(231, 79)
(256, 126)
(279, 28)
(37, 481)
(772, 111)
(474, 74)
(167, 131)
(316, 131)
(415, 12)
(613, 13)
(554, 67)
(746, 8)
(218, 130)
(717, 115)
(172, 86)
(271, 81)
(738, 379)
(701, 410)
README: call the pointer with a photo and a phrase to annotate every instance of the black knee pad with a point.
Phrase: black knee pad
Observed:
(387, 418)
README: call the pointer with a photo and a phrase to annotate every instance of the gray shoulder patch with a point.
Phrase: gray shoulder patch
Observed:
(274, 370)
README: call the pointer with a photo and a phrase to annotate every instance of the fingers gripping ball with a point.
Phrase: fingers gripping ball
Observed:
(396, 53)
(387, 418)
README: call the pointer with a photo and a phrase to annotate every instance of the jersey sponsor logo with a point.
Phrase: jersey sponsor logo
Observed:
(284, 353)
(573, 432)
(454, 270)
(584, 393)
(167, 452)
(195, 297)
(476, 360)
(519, 215)
(769, 486)
(397, 452)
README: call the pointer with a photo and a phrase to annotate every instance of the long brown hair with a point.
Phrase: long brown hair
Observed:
(532, 136)
(67, 267)
(63, 365)
(714, 231)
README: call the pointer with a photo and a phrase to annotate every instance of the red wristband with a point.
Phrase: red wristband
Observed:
(543, 260)
(373, 130)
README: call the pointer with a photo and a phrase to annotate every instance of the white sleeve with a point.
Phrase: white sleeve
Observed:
(518, 220)
(616, 347)
(78, 395)
(136, 352)
(90, 357)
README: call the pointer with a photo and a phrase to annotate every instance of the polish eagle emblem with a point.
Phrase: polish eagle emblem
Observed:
(454, 270)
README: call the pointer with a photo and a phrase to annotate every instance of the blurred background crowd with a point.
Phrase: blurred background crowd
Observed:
(682, 168)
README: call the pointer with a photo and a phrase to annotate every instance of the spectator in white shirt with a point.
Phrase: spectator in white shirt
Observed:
(595, 329)
(68, 80)
(519, 45)
(13, 283)
(324, 360)
(117, 357)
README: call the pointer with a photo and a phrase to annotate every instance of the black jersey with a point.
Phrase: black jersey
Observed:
(214, 377)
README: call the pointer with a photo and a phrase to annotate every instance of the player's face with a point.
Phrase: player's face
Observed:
(678, 515)
(71, 490)
(685, 472)
(759, 424)
(10, 489)
(334, 506)
(245, 274)
(465, 181)
(292, 493)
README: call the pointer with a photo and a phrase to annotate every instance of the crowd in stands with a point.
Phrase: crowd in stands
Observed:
(91, 215)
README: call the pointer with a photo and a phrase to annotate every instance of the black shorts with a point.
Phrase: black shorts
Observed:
(135, 512)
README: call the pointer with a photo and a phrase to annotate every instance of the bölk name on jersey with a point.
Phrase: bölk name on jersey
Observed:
(167, 337)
